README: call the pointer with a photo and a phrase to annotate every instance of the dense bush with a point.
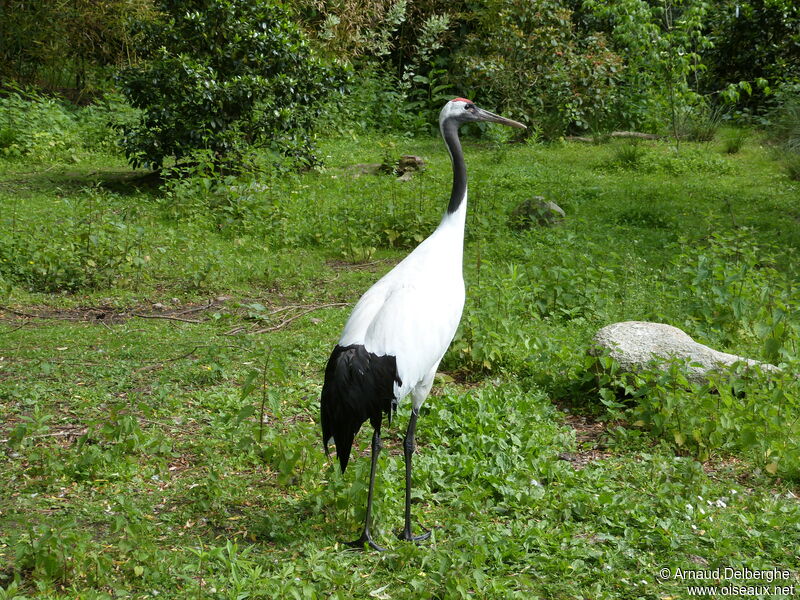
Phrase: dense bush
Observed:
(752, 40)
(38, 127)
(69, 46)
(527, 58)
(663, 46)
(222, 76)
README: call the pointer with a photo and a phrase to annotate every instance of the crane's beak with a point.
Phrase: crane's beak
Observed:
(485, 115)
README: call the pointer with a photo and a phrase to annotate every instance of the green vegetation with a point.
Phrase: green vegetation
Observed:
(163, 334)
(162, 347)
(219, 78)
(570, 66)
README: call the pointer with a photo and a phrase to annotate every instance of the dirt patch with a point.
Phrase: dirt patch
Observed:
(112, 315)
(588, 435)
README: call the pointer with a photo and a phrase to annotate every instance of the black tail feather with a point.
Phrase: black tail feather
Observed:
(358, 386)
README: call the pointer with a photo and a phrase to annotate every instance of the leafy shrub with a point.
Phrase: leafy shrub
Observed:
(220, 76)
(728, 292)
(740, 52)
(662, 44)
(526, 58)
(731, 290)
(39, 128)
(404, 41)
(97, 123)
(36, 127)
(524, 282)
(47, 552)
(92, 247)
(376, 102)
(740, 410)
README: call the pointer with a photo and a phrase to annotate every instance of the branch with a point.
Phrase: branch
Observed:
(161, 363)
(169, 317)
(15, 328)
(615, 134)
(75, 431)
(288, 320)
(285, 322)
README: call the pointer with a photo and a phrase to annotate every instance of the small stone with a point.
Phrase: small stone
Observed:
(405, 167)
(158, 306)
(409, 162)
(537, 211)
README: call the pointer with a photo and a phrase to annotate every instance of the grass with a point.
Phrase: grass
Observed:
(155, 445)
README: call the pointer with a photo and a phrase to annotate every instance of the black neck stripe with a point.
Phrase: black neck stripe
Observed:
(450, 135)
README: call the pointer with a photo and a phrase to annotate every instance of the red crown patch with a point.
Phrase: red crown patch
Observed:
(461, 100)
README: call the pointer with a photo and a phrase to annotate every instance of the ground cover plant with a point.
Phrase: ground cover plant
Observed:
(162, 347)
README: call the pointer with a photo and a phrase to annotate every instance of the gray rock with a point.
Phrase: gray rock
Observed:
(536, 211)
(637, 345)
(405, 167)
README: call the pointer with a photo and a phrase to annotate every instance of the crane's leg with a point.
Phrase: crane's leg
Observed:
(408, 449)
(366, 537)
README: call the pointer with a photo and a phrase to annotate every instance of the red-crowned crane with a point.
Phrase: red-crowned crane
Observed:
(400, 329)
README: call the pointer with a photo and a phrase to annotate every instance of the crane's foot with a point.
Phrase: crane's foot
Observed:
(365, 538)
(405, 535)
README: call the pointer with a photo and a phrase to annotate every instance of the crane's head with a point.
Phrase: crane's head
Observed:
(461, 110)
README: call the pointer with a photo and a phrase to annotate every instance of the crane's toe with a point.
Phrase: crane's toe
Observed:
(406, 536)
(365, 538)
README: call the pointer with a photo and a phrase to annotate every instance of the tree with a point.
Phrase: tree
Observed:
(221, 76)
(524, 57)
(753, 41)
(663, 42)
(67, 45)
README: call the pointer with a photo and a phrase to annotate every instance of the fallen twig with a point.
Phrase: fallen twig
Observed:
(161, 363)
(286, 321)
(168, 317)
(70, 432)
(210, 304)
(614, 134)
(15, 328)
(23, 314)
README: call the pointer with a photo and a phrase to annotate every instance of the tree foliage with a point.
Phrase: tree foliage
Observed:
(754, 41)
(220, 76)
(663, 44)
(67, 44)
(527, 57)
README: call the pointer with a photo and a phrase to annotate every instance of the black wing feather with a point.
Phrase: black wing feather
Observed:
(359, 385)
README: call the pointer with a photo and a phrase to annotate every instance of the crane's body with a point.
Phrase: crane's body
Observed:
(401, 327)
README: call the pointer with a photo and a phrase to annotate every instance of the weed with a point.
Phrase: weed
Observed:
(791, 165)
(628, 155)
(734, 140)
(784, 126)
(699, 123)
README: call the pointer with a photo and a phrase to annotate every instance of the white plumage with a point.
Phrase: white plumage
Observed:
(413, 311)
(401, 327)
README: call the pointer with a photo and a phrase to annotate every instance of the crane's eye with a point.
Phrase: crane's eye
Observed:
(470, 107)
